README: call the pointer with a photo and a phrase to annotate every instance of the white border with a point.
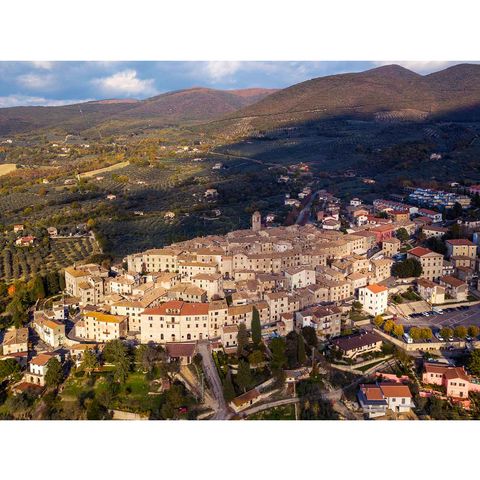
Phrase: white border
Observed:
(423, 30)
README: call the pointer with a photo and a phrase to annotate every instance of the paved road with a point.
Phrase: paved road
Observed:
(305, 212)
(250, 159)
(221, 412)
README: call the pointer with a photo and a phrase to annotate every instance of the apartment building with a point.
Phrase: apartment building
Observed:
(461, 247)
(374, 299)
(391, 246)
(175, 321)
(325, 320)
(103, 327)
(454, 287)
(51, 331)
(299, 277)
(430, 291)
(432, 262)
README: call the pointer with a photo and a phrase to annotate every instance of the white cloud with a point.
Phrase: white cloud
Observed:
(419, 66)
(25, 100)
(34, 81)
(42, 65)
(125, 83)
(222, 71)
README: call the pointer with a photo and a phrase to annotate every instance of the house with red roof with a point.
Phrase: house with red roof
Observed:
(455, 379)
(376, 399)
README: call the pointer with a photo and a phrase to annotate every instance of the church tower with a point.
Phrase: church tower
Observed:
(256, 221)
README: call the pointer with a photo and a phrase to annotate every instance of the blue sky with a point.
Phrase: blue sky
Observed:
(57, 83)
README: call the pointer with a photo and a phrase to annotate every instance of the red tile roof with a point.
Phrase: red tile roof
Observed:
(395, 390)
(181, 349)
(420, 251)
(461, 242)
(177, 307)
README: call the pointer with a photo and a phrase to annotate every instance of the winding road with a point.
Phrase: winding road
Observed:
(221, 412)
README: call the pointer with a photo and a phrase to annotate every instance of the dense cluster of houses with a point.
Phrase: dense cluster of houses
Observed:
(290, 277)
(201, 288)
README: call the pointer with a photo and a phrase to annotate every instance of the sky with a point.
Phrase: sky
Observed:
(60, 83)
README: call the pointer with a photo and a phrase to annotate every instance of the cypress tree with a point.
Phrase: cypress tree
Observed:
(256, 328)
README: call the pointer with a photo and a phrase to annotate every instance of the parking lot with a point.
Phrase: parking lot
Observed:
(451, 317)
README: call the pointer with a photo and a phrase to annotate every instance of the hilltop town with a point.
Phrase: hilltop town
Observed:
(354, 311)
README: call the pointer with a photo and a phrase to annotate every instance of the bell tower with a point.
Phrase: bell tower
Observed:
(256, 221)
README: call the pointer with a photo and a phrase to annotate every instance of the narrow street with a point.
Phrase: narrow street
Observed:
(210, 370)
(304, 215)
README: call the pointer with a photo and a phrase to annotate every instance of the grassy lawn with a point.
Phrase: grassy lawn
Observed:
(286, 412)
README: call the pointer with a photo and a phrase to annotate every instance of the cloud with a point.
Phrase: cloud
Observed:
(34, 81)
(125, 83)
(221, 71)
(421, 66)
(25, 100)
(42, 65)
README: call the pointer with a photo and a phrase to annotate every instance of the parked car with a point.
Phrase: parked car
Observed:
(438, 336)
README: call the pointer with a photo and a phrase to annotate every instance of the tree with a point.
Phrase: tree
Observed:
(402, 235)
(8, 368)
(148, 356)
(90, 361)
(54, 375)
(301, 355)
(426, 333)
(446, 333)
(256, 328)
(378, 321)
(310, 336)
(291, 350)
(398, 330)
(456, 211)
(473, 331)
(460, 331)
(474, 362)
(17, 311)
(389, 325)
(228, 389)
(244, 375)
(116, 352)
(279, 358)
(410, 267)
(255, 358)
(356, 305)
(242, 339)
(38, 288)
(53, 285)
(415, 333)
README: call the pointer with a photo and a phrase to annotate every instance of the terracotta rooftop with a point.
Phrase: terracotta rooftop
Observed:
(177, 307)
(376, 288)
(461, 242)
(181, 349)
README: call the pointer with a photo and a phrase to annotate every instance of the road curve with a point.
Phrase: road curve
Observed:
(221, 412)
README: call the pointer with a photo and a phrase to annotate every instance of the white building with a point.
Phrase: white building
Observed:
(374, 299)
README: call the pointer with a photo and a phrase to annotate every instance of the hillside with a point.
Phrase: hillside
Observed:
(386, 93)
(169, 108)
(71, 118)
